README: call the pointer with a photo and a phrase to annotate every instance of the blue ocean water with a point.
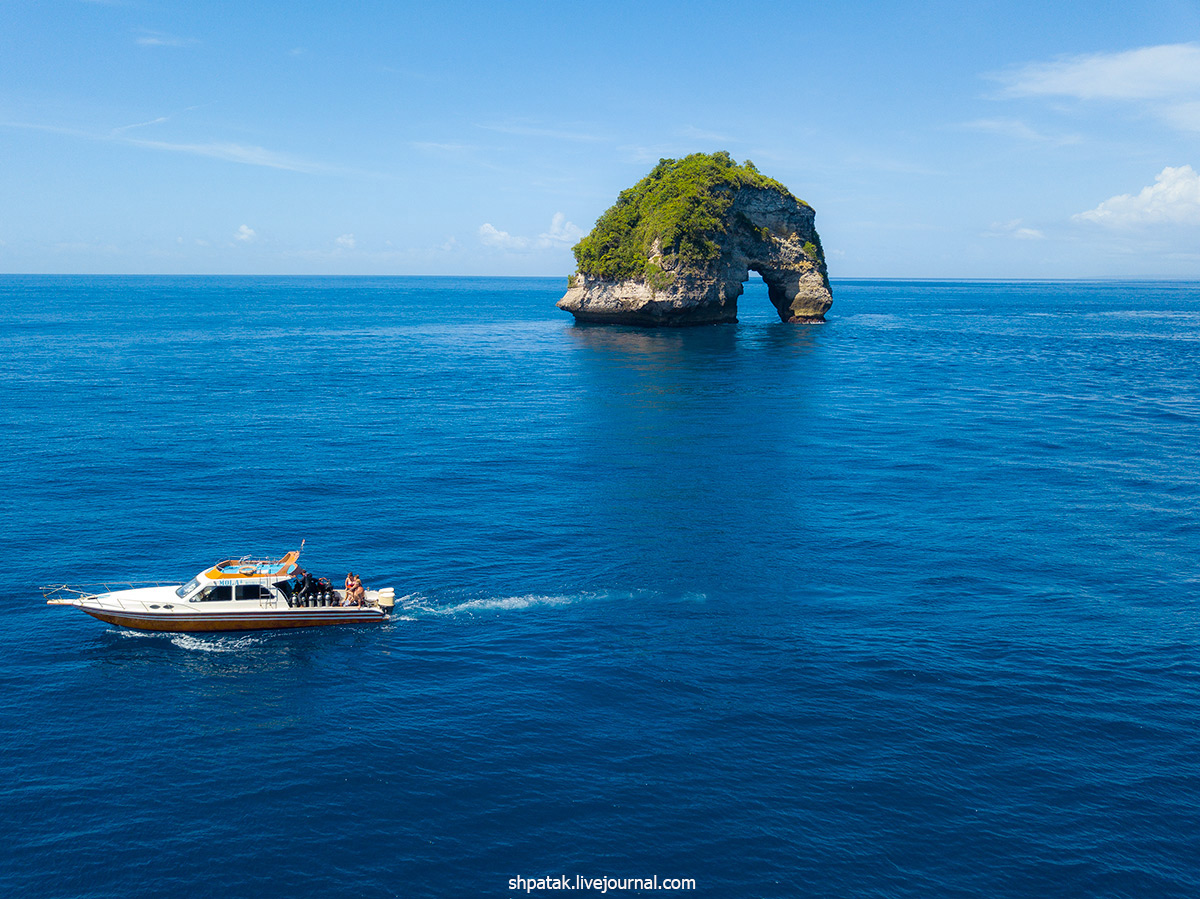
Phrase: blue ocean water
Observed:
(904, 605)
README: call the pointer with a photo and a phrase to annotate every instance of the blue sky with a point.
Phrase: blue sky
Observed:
(939, 140)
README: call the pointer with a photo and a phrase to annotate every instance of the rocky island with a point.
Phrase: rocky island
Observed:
(678, 246)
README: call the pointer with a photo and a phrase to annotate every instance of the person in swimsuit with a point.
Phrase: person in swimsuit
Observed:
(355, 595)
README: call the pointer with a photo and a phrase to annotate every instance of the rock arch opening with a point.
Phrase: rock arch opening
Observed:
(777, 288)
(798, 294)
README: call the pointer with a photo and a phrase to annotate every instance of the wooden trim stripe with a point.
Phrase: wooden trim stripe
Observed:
(178, 623)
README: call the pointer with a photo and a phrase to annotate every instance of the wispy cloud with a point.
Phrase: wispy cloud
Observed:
(429, 146)
(159, 39)
(157, 121)
(245, 234)
(228, 151)
(346, 242)
(561, 233)
(53, 129)
(643, 155)
(1185, 115)
(1018, 130)
(580, 136)
(1014, 230)
(491, 236)
(1173, 198)
(1163, 80)
(691, 132)
(1147, 73)
(884, 163)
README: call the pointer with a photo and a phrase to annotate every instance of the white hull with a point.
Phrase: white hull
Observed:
(159, 609)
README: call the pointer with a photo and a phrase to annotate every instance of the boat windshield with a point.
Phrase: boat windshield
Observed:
(188, 588)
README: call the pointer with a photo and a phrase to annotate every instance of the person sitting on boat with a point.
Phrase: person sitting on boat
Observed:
(355, 595)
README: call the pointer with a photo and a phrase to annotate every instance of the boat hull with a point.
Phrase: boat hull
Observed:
(240, 621)
(234, 595)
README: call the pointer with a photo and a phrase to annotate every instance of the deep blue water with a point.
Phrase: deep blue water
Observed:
(904, 605)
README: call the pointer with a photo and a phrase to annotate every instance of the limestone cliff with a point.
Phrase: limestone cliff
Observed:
(678, 246)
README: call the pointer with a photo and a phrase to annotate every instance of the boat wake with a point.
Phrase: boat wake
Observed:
(192, 643)
(509, 603)
(420, 606)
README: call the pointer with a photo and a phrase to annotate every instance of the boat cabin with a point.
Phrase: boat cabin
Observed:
(262, 580)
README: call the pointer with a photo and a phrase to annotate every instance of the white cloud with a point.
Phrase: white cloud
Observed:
(691, 132)
(1147, 73)
(155, 121)
(245, 232)
(1163, 80)
(493, 237)
(346, 241)
(428, 146)
(158, 39)
(1174, 198)
(1184, 116)
(1015, 230)
(233, 153)
(1018, 130)
(230, 152)
(551, 133)
(560, 234)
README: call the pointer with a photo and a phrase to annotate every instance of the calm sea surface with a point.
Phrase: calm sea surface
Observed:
(905, 605)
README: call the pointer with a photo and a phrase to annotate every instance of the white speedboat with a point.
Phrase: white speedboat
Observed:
(233, 595)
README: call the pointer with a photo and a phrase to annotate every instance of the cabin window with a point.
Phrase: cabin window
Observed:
(187, 588)
(218, 594)
(252, 591)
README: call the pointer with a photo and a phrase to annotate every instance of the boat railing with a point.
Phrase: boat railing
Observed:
(72, 594)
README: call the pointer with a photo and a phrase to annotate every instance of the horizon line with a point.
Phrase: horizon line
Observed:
(943, 279)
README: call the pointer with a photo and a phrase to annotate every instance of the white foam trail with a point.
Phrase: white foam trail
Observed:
(215, 644)
(509, 603)
(421, 605)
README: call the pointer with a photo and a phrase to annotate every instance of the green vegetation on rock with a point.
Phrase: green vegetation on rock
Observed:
(681, 205)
